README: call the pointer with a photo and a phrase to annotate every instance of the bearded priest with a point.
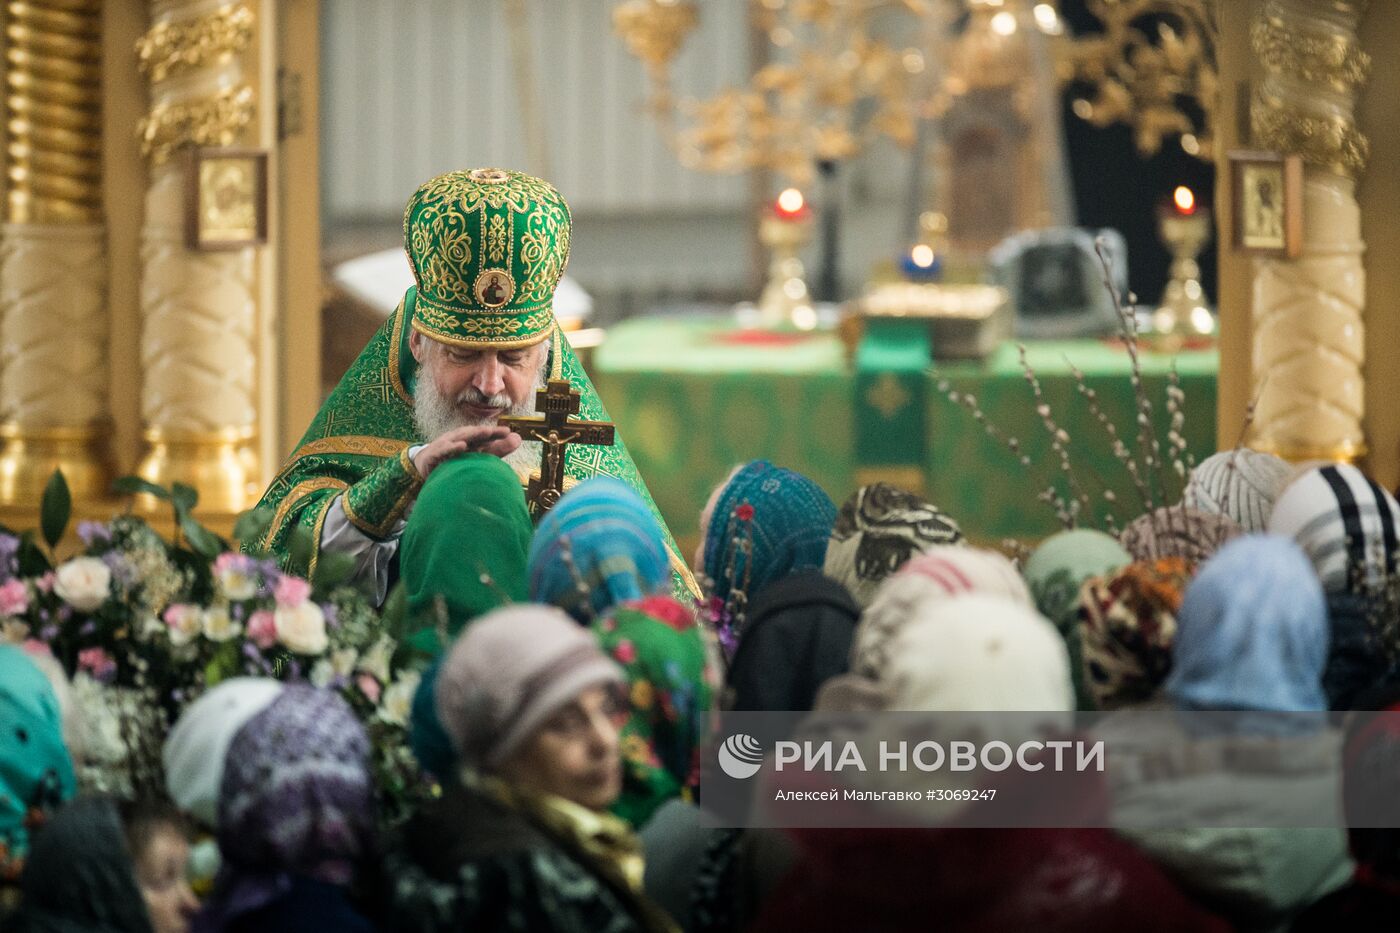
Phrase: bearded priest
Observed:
(472, 341)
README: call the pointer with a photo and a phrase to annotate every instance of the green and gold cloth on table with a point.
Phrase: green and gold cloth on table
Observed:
(488, 248)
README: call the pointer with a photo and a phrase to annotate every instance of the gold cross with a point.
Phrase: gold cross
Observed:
(555, 431)
(380, 385)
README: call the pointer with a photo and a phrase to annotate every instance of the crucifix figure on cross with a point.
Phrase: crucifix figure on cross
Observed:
(556, 401)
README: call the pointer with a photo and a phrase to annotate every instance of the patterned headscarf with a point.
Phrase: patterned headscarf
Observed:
(1127, 624)
(1177, 531)
(1239, 484)
(1056, 573)
(598, 547)
(939, 574)
(79, 877)
(1252, 632)
(877, 530)
(297, 799)
(661, 650)
(1346, 524)
(36, 773)
(767, 523)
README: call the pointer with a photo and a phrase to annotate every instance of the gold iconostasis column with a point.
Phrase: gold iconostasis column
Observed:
(198, 308)
(1308, 329)
(53, 265)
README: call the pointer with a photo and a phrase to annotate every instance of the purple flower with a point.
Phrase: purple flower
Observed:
(94, 533)
(48, 632)
(332, 615)
(88, 628)
(9, 551)
(123, 570)
(251, 651)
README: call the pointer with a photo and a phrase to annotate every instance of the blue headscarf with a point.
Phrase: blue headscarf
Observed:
(790, 524)
(602, 538)
(35, 770)
(1252, 631)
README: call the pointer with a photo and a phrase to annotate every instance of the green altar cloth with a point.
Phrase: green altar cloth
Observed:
(694, 397)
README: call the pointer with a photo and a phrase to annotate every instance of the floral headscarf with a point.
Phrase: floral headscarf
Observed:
(670, 686)
(877, 530)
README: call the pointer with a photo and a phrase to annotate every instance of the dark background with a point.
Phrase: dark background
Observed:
(1115, 186)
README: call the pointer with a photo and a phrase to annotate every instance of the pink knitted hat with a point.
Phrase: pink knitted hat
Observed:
(508, 672)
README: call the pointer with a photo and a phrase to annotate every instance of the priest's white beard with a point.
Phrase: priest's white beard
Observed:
(435, 414)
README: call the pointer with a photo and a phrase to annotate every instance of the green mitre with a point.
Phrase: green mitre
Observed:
(488, 247)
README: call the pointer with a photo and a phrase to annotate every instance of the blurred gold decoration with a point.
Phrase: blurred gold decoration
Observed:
(832, 88)
(1153, 67)
(169, 49)
(53, 264)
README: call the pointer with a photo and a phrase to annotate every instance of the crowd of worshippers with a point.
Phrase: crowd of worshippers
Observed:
(565, 724)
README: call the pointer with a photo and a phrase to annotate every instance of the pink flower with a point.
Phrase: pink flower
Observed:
(183, 623)
(262, 629)
(14, 598)
(291, 592)
(44, 584)
(369, 687)
(98, 663)
(626, 652)
(36, 648)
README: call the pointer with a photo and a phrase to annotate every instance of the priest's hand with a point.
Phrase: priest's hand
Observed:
(493, 439)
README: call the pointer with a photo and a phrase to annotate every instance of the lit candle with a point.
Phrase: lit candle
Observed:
(1184, 201)
(921, 264)
(791, 205)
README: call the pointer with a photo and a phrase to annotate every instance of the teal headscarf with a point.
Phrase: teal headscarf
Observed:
(597, 548)
(35, 770)
(787, 517)
(466, 543)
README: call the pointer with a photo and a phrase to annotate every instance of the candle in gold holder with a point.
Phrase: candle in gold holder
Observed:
(785, 301)
(1183, 315)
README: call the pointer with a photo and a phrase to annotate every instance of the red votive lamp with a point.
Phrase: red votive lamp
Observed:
(791, 206)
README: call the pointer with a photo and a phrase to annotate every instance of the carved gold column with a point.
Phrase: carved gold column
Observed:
(198, 309)
(1308, 330)
(53, 264)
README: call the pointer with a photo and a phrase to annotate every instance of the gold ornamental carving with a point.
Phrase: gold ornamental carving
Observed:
(169, 49)
(1315, 57)
(212, 121)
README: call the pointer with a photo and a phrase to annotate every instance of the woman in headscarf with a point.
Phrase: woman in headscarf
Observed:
(523, 840)
(1251, 636)
(1177, 531)
(465, 546)
(763, 526)
(196, 749)
(1127, 623)
(296, 819)
(1056, 573)
(978, 653)
(36, 773)
(1239, 484)
(1347, 525)
(600, 555)
(937, 575)
(784, 626)
(877, 530)
(464, 552)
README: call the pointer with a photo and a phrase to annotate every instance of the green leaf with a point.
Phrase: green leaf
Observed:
(134, 485)
(394, 615)
(203, 541)
(253, 524)
(184, 498)
(56, 509)
(300, 547)
(33, 562)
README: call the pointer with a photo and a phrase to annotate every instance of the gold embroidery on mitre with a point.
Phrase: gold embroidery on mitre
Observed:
(493, 288)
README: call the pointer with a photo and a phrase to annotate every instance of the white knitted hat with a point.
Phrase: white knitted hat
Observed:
(1240, 484)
